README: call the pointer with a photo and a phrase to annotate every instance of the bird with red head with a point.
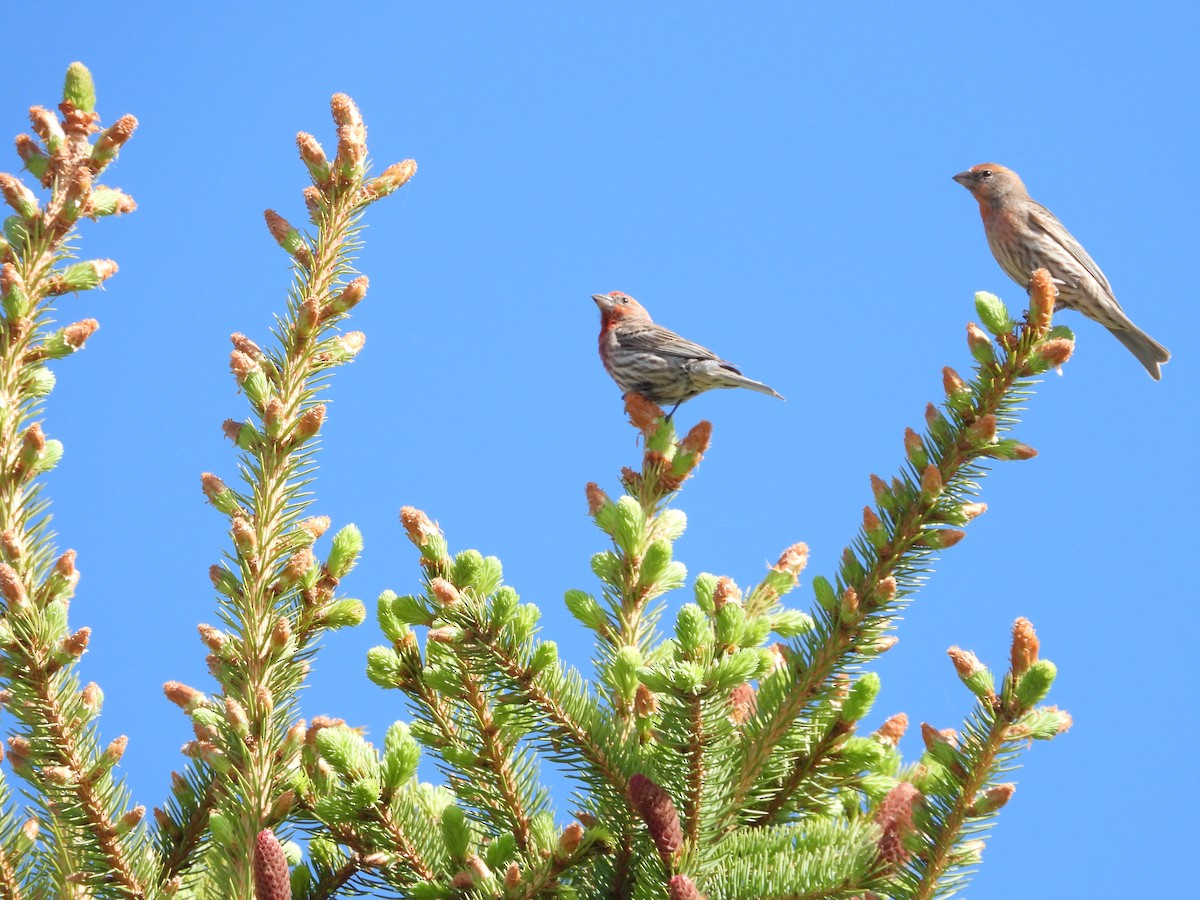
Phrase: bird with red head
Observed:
(656, 362)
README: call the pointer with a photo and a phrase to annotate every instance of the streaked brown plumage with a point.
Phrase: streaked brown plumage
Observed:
(656, 362)
(1024, 236)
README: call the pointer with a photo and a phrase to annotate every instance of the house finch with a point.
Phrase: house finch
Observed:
(1024, 236)
(656, 362)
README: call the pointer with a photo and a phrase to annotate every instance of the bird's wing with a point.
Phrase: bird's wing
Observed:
(1044, 221)
(656, 339)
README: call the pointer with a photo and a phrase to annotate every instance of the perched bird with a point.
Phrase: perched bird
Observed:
(656, 362)
(1024, 236)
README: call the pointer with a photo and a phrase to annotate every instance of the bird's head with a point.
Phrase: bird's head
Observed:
(992, 184)
(616, 307)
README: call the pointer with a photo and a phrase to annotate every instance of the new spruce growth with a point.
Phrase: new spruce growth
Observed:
(723, 759)
(716, 755)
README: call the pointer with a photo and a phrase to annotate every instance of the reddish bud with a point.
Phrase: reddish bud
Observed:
(281, 634)
(316, 526)
(942, 538)
(1042, 294)
(793, 560)
(879, 488)
(645, 704)
(931, 482)
(596, 498)
(444, 592)
(893, 729)
(76, 645)
(243, 535)
(698, 438)
(131, 819)
(914, 447)
(992, 799)
(980, 344)
(643, 413)
(680, 887)
(933, 737)
(885, 589)
(314, 157)
(244, 345)
(447, 634)
(966, 663)
(115, 750)
(19, 197)
(725, 591)
(298, 565)
(58, 775)
(351, 295)
(310, 423)
(12, 545)
(849, 606)
(214, 638)
(885, 643)
(34, 440)
(12, 588)
(76, 335)
(568, 841)
(743, 703)
(895, 819)
(182, 696)
(971, 510)
(982, 430)
(952, 383)
(418, 525)
(242, 365)
(113, 139)
(871, 523)
(352, 136)
(1025, 646)
(391, 179)
(91, 696)
(351, 343)
(657, 810)
(1056, 351)
(271, 878)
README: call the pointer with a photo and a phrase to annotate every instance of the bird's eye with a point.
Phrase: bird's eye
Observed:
(986, 173)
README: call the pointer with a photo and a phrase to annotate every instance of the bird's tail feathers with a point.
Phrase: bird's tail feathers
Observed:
(1149, 352)
(743, 381)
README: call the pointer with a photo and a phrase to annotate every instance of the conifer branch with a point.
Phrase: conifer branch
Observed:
(277, 598)
(397, 849)
(332, 881)
(556, 697)
(183, 824)
(92, 830)
(906, 529)
(957, 775)
(16, 840)
(511, 809)
(698, 746)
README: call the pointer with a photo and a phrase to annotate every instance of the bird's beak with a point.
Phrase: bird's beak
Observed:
(603, 301)
(964, 178)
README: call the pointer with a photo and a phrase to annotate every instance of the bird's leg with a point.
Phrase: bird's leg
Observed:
(672, 412)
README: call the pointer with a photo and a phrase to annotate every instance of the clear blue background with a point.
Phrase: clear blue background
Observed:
(772, 181)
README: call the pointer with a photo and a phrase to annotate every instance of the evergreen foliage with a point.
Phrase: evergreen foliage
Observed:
(719, 756)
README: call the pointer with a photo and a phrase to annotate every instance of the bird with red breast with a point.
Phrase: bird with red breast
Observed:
(655, 362)
(1023, 236)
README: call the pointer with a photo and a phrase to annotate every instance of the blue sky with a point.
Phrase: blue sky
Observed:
(773, 182)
